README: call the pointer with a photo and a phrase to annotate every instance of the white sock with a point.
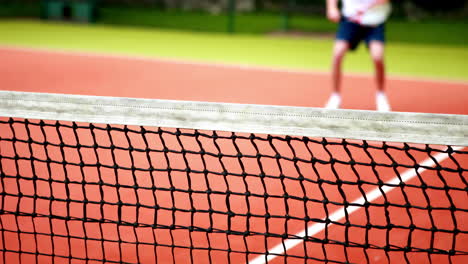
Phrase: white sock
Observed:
(382, 102)
(334, 101)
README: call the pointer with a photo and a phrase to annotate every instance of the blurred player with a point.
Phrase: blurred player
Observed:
(359, 20)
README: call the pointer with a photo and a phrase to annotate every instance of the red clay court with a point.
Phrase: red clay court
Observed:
(189, 196)
(87, 74)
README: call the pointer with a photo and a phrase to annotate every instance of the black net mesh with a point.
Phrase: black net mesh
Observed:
(92, 193)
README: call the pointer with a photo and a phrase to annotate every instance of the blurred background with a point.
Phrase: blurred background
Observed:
(245, 16)
(417, 28)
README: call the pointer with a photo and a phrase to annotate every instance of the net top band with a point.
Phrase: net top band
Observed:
(441, 129)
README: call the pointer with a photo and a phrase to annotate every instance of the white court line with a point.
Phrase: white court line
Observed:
(233, 65)
(341, 213)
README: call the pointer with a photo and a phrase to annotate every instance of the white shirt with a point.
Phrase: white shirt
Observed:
(374, 16)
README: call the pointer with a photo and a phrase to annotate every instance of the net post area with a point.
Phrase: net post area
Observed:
(118, 180)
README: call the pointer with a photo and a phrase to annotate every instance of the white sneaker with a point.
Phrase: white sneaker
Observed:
(334, 101)
(382, 102)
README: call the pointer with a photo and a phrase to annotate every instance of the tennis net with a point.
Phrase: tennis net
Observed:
(117, 180)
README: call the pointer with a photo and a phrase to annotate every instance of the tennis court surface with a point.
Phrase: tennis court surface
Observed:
(86, 179)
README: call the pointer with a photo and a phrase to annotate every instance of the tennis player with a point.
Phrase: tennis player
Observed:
(359, 20)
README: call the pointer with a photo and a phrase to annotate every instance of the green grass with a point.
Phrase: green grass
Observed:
(193, 21)
(251, 23)
(433, 31)
(443, 32)
(438, 61)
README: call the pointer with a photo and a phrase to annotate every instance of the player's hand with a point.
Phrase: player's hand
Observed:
(333, 14)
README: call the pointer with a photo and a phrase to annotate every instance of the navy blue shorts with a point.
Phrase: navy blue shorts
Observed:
(354, 33)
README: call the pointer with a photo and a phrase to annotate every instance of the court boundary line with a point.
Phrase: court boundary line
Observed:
(239, 66)
(340, 214)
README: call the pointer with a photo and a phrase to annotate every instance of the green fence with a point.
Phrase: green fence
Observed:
(83, 11)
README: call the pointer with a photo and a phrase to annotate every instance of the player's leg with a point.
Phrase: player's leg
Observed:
(339, 50)
(376, 48)
(376, 42)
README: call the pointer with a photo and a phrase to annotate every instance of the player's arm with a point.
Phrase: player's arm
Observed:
(333, 12)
